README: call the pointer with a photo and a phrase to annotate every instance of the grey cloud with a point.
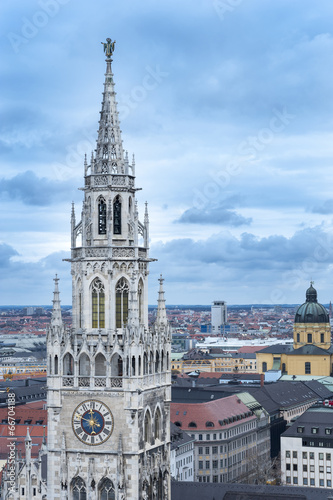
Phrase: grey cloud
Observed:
(32, 190)
(325, 209)
(219, 216)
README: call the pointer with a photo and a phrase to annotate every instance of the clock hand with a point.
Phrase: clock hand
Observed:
(94, 424)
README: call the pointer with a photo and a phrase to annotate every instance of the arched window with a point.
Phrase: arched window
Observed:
(162, 362)
(157, 424)
(264, 366)
(68, 364)
(145, 364)
(98, 304)
(133, 366)
(140, 300)
(100, 365)
(79, 489)
(147, 433)
(122, 289)
(106, 490)
(55, 365)
(157, 362)
(84, 365)
(116, 366)
(117, 216)
(102, 217)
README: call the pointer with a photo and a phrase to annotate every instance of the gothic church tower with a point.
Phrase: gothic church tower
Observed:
(109, 376)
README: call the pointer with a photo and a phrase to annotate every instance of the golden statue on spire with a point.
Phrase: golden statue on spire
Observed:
(108, 47)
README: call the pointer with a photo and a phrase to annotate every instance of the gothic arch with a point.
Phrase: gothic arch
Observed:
(78, 488)
(106, 489)
(162, 361)
(79, 304)
(141, 299)
(158, 424)
(157, 362)
(151, 363)
(84, 365)
(117, 215)
(100, 365)
(122, 292)
(147, 427)
(145, 364)
(56, 365)
(101, 214)
(116, 365)
(97, 290)
(68, 364)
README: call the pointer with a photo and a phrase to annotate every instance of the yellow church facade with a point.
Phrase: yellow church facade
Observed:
(311, 353)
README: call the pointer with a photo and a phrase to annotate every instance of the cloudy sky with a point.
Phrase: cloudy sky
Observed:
(228, 107)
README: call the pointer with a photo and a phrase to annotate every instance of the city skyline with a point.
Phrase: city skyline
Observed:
(228, 110)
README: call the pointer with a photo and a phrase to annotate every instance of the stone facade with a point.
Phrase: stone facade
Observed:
(109, 377)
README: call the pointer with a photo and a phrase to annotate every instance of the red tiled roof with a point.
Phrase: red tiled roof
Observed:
(213, 411)
(251, 349)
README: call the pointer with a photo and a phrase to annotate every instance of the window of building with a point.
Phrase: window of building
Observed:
(298, 337)
(322, 338)
(321, 482)
(294, 454)
(305, 454)
(288, 479)
(79, 489)
(117, 216)
(215, 450)
(221, 462)
(287, 466)
(215, 464)
(321, 456)
(200, 464)
(122, 290)
(207, 450)
(207, 464)
(287, 454)
(215, 479)
(200, 437)
(314, 430)
(264, 366)
(328, 470)
(309, 338)
(106, 489)
(98, 304)
(321, 468)
(300, 429)
(328, 430)
(294, 467)
(305, 481)
(200, 450)
(312, 468)
(312, 482)
(329, 483)
(307, 367)
(305, 468)
(102, 217)
(311, 455)
(295, 480)
(207, 437)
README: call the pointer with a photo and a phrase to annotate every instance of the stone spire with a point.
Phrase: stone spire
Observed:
(28, 445)
(56, 318)
(161, 318)
(109, 151)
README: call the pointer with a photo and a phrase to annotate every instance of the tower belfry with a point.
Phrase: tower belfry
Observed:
(109, 376)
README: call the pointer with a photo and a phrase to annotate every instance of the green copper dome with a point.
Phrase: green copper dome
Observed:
(311, 311)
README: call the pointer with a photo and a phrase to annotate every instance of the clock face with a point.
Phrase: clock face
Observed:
(92, 422)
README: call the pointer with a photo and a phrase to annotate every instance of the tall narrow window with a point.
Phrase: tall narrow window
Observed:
(80, 310)
(122, 289)
(140, 301)
(98, 304)
(79, 489)
(106, 490)
(307, 368)
(264, 366)
(309, 338)
(117, 216)
(102, 217)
